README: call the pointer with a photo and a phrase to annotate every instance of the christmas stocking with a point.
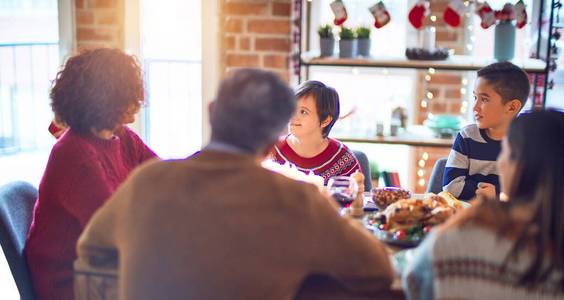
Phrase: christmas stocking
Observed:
(418, 13)
(506, 14)
(381, 14)
(454, 12)
(339, 11)
(520, 14)
(486, 13)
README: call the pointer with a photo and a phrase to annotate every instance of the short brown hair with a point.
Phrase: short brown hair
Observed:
(326, 101)
(508, 80)
(96, 88)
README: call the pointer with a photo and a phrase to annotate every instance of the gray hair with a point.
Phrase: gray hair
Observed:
(251, 109)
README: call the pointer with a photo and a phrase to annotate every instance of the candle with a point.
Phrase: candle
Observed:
(429, 38)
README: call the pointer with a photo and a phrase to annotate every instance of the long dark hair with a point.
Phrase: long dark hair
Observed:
(536, 141)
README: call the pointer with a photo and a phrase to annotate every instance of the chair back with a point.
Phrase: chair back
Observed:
(365, 166)
(436, 180)
(17, 200)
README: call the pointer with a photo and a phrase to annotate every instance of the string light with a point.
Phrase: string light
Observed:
(422, 163)
(463, 91)
(423, 103)
(425, 156)
(428, 77)
(421, 182)
(430, 95)
(433, 18)
(420, 172)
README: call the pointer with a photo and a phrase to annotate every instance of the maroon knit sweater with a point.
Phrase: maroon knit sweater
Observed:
(82, 172)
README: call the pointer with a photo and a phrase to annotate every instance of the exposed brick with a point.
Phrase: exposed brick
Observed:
(106, 19)
(273, 44)
(279, 61)
(281, 9)
(453, 93)
(89, 34)
(233, 25)
(269, 26)
(79, 3)
(84, 17)
(242, 60)
(454, 107)
(448, 36)
(445, 79)
(242, 8)
(102, 3)
(438, 107)
(229, 43)
(244, 43)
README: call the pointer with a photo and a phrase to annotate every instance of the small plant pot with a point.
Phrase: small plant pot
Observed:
(364, 47)
(347, 48)
(326, 46)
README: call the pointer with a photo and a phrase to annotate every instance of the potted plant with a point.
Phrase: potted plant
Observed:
(326, 40)
(363, 37)
(347, 43)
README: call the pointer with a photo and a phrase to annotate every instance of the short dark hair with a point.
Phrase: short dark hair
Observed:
(326, 101)
(251, 109)
(508, 80)
(95, 88)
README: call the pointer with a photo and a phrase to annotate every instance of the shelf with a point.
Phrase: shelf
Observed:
(395, 140)
(455, 62)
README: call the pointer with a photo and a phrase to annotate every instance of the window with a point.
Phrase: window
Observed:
(31, 45)
(171, 51)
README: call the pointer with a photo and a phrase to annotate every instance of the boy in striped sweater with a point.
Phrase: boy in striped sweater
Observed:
(500, 92)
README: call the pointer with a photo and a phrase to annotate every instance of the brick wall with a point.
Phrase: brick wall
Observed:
(255, 34)
(99, 23)
(447, 89)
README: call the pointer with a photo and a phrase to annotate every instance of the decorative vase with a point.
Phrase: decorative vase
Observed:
(364, 47)
(347, 48)
(326, 46)
(504, 41)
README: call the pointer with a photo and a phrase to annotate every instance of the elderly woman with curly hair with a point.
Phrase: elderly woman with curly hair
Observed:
(94, 95)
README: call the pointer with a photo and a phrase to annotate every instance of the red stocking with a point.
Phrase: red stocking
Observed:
(340, 12)
(454, 12)
(487, 15)
(418, 13)
(520, 14)
(380, 13)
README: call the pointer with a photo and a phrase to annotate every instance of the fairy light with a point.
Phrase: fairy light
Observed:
(425, 156)
(420, 172)
(427, 77)
(431, 71)
(463, 91)
(423, 103)
(430, 95)
(421, 163)
(421, 182)
(433, 18)
(464, 81)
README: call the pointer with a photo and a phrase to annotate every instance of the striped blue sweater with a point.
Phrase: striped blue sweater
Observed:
(472, 160)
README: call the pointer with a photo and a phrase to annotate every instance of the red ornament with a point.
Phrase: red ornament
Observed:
(520, 14)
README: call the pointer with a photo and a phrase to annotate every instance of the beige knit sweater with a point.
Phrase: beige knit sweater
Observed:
(219, 226)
